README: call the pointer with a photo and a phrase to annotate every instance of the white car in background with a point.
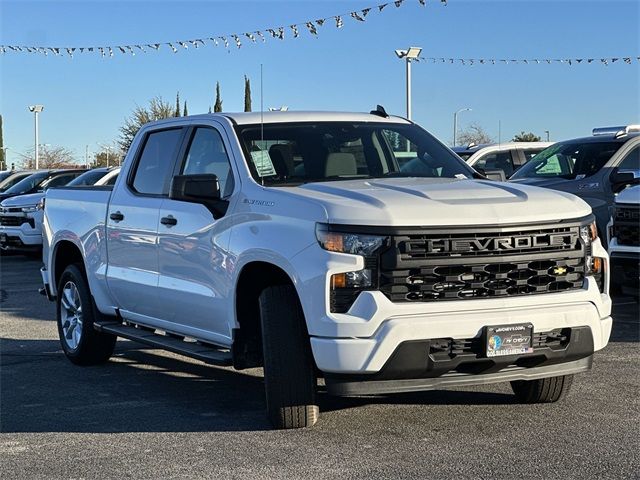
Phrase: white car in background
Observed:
(21, 216)
(505, 157)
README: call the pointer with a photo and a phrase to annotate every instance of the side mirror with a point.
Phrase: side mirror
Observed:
(620, 177)
(203, 188)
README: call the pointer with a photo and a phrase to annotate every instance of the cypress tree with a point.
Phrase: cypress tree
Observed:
(3, 163)
(185, 112)
(247, 94)
(177, 112)
(217, 107)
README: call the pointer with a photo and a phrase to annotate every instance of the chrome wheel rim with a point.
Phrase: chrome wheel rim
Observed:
(71, 315)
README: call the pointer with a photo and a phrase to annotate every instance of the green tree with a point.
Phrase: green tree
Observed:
(526, 137)
(177, 111)
(247, 94)
(217, 107)
(185, 112)
(157, 109)
(3, 164)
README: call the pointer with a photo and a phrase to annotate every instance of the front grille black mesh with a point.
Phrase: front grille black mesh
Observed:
(626, 226)
(12, 221)
(456, 282)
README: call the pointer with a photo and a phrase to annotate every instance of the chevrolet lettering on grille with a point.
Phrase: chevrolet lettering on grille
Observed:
(497, 244)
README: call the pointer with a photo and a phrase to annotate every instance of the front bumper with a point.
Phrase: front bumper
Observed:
(23, 237)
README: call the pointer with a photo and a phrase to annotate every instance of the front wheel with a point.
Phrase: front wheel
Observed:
(76, 314)
(543, 390)
(289, 373)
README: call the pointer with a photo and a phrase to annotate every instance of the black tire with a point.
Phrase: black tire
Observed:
(92, 347)
(289, 370)
(544, 390)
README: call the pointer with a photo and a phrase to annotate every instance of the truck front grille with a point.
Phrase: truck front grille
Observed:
(480, 280)
(626, 226)
(13, 221)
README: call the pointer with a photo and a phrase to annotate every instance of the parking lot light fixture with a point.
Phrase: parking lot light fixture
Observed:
(409, 55)
(455, 123)
(36, 109)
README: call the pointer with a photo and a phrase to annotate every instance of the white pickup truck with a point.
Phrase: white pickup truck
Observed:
(352, 248)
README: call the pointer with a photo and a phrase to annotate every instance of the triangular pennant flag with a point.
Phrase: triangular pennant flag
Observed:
(320, 22)
(225, 41)
(397, 3)
(237, 40)
(101, 51)
(614, 60)
(259, 33)
(70, 51)
(365, 12)
(174, 49)
(281, 33)
(338, 19)
(110, 51)
(356, 16)
(382, 7)
(122, 50)
(272, 32)
(294, 29)
(251, 37)
(627, 59)
(141, 48)
(133, 54)
(183, 45)
(312, 28)
(422, 2)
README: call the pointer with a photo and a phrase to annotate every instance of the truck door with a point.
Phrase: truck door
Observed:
(132, 226)
(194, 282)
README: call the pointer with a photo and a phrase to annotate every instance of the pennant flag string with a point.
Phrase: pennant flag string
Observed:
(275, 32)
(526, 61)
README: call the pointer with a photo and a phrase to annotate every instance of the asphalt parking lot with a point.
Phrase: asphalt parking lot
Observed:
(151, 414)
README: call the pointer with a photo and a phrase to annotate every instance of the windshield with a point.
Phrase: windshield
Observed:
(27, 184)
(569, 160)
(296, 153)
(11, 180)
(87, 178)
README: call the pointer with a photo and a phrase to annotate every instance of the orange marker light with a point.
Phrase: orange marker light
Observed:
(338, 281)
(597, 265)
(333, 242)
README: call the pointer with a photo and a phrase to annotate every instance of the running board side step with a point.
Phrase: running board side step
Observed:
(205, 353)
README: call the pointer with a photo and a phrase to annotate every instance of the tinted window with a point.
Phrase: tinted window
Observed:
(28, 184)
(631, 161)
(207, 155)
(59, 180)
(569, 160)
(87, 178)
(156, 162)
(497, 161)
(530, 153)
(11, 180)
(112, 180)
(295, 153)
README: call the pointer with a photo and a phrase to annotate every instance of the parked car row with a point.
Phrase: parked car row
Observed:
(22, 198)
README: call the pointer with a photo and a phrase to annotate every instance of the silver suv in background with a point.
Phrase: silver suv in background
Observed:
(500, 160)
(594, 168)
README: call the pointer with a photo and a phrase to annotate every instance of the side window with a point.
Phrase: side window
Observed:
(497, 161)
(207, 154)
(111, 181)
(60, 180)
(156, 162)
(631, 161)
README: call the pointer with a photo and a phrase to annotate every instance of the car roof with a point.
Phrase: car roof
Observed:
(603, 138)
(253, 118)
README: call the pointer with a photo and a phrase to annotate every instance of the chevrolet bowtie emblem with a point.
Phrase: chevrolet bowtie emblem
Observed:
(559, 270)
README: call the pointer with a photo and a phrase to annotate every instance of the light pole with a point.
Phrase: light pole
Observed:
(107, 148)
(455, 123)
(36, 109)
(3, 164)
(547, 133)
(409, 55)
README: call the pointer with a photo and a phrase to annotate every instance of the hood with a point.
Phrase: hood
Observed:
(629, 195)
(429, 201)
(23, 200)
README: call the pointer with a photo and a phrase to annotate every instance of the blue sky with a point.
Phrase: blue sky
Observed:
(354, 68)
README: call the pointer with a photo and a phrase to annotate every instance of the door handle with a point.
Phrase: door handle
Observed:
(169, 221)
(116, 216)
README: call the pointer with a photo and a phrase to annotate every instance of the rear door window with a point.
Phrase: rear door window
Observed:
(497, 161)
(156, 161)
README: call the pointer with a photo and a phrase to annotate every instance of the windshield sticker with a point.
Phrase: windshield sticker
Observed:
(264, 165)
(461, 176)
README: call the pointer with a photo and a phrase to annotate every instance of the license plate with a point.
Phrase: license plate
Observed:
(504, 340)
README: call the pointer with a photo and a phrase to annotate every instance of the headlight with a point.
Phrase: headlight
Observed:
(353, 243)
(589, 233)
(29, 209)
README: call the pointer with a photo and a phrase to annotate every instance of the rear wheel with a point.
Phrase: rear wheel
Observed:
(289, 374)
(543, 390)
(76, 314)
